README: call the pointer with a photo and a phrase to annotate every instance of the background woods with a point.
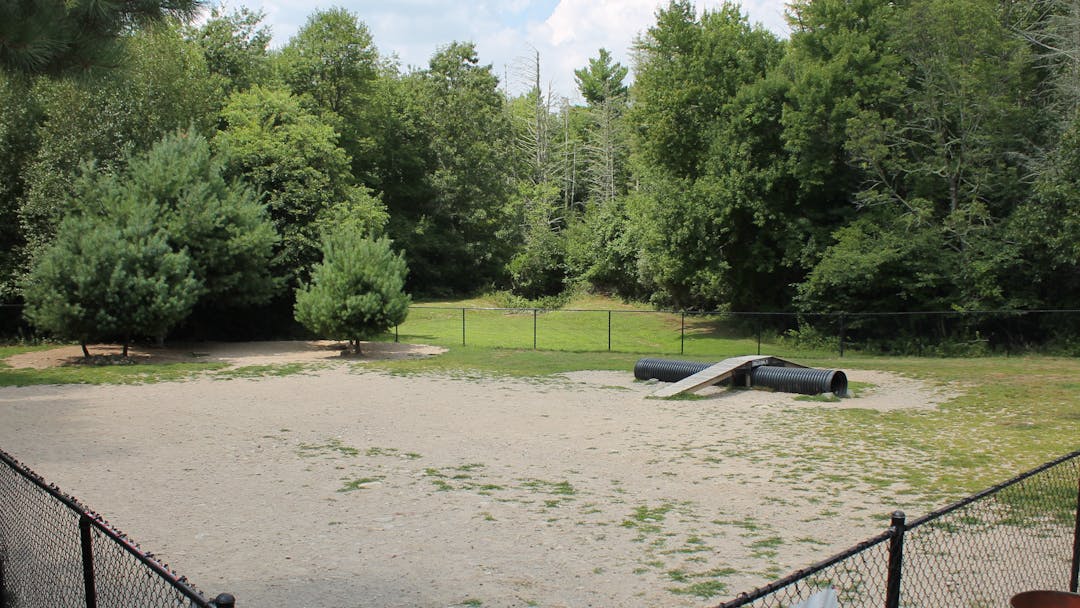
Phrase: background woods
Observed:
(888, 156)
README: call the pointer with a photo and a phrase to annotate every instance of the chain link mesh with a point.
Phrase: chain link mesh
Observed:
(857, 576)
(1017, 538)
(979, 552)
(41, 554)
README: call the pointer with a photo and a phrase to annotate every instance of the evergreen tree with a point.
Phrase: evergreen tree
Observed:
(356, 292)
(54, 36)
(221, 225)
(111, 277)
(601, 80)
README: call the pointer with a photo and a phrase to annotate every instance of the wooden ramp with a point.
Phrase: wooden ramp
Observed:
(718, 373)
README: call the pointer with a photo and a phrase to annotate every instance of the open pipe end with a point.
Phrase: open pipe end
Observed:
(838, 384)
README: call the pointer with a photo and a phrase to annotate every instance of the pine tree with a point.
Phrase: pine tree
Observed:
(110, 278)
(59, 36)
(356, 291)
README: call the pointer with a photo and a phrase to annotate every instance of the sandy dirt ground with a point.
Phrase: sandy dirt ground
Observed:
(347, 487)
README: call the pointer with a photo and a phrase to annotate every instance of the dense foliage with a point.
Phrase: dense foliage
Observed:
(888, 156)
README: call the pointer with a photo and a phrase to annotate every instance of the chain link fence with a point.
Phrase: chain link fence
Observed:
(701, 333)
(940, 333)
(1018, 536)
(55, 552)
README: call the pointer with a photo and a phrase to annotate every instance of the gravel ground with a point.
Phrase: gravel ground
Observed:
(349, 487)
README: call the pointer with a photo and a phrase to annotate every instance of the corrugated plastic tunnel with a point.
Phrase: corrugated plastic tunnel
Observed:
(802, 380)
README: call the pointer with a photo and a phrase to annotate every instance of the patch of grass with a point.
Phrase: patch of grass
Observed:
(376, 451)
(358, 484)
(1010, 414)
(456, 480)
(559, 488)
(682, 397)
(332, 446)
(142, 373)
(263, 371)
(822, 398)
(646, 519)
(711, 586)
(766, 547)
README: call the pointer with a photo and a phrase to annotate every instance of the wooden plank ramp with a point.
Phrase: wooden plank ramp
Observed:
(718, 373)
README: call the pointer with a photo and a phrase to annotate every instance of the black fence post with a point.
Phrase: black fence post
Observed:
(3, 589)
(395, 334)
(682, 334)
(609, 331)
(224, 600)
(1074, 577)
(534, 329)
(86, 542)
(463, 327)
(896, 560)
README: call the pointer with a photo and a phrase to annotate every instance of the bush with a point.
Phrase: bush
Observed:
(356, 292)
(110, 278)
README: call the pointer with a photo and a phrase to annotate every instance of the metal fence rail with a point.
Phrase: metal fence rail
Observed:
(55, 552)
(1017, 536)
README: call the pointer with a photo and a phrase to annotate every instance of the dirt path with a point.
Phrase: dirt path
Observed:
(235, 353)
(346, 487)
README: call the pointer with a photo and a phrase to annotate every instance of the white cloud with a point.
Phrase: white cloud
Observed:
(566, 33)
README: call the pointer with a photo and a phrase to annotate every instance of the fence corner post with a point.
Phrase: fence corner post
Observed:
(86, 543)
(224, 600)
(1074, 577)
(896, 560)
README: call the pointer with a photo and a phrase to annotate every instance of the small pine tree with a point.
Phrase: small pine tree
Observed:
(104, 279)
(356, 292)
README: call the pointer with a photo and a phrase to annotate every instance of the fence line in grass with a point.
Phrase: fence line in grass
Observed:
(903, 332)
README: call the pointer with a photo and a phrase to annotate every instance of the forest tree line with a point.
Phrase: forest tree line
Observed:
(888, 156)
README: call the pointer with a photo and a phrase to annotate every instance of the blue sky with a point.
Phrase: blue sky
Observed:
(565, 32)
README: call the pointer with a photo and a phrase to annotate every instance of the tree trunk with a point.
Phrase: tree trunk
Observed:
(85, 352)
(126, 340)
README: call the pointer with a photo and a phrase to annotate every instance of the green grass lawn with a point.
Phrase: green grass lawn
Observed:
(592, 324)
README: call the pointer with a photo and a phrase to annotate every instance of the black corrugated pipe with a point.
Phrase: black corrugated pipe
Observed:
(803, 380)
(666, 370)
(806, 381)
